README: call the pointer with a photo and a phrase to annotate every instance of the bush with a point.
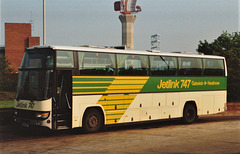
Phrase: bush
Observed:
(8, 79)
(227, 45)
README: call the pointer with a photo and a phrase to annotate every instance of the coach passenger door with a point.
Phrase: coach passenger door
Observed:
(64, 71)
(64, 99)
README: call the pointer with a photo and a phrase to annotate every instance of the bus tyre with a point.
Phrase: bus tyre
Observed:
(189, 114)
(92, 121)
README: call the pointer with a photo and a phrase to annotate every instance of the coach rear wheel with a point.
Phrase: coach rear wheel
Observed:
(189, 114)
(92, 121)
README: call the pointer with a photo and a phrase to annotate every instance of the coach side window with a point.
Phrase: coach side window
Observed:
(190, 66)
(91, 63)
(213, 67)
(163, 66)
(65, 59)
(132, 65)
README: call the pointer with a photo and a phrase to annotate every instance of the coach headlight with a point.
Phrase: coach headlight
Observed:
(42, 115)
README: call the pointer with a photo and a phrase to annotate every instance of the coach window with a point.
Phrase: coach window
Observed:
(65, 59)
(91, 63)
(163, 66)
(132, 65)
(190, 66)
(213, 67)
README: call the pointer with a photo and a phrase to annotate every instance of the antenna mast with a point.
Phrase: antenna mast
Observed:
(32, 23)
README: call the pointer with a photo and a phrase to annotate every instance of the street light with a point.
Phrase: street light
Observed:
(44, 22)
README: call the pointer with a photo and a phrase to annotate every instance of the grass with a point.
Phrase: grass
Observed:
(7, 99)
(6, 104)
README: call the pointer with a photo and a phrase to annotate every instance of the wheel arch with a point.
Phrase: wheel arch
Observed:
(190, 102)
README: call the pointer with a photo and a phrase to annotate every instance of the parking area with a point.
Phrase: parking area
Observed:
(210, 134)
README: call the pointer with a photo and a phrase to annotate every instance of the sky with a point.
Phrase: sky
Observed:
(180, 23)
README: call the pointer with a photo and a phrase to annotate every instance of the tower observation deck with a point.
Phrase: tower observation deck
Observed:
(128, 9)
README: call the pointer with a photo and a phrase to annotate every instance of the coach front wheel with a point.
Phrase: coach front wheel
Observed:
(92, 121)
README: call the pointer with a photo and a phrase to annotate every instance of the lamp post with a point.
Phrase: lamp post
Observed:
(44, 22)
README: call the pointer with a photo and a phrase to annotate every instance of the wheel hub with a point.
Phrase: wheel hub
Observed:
(190, 114)
(93, 121)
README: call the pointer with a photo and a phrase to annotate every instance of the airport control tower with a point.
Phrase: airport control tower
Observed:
(127, 9)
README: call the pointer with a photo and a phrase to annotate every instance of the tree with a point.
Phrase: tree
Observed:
(227, 45)
(8, 80)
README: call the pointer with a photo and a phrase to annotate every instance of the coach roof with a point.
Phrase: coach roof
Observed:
(139, 52)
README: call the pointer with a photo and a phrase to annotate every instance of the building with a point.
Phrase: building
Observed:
(18, 36)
